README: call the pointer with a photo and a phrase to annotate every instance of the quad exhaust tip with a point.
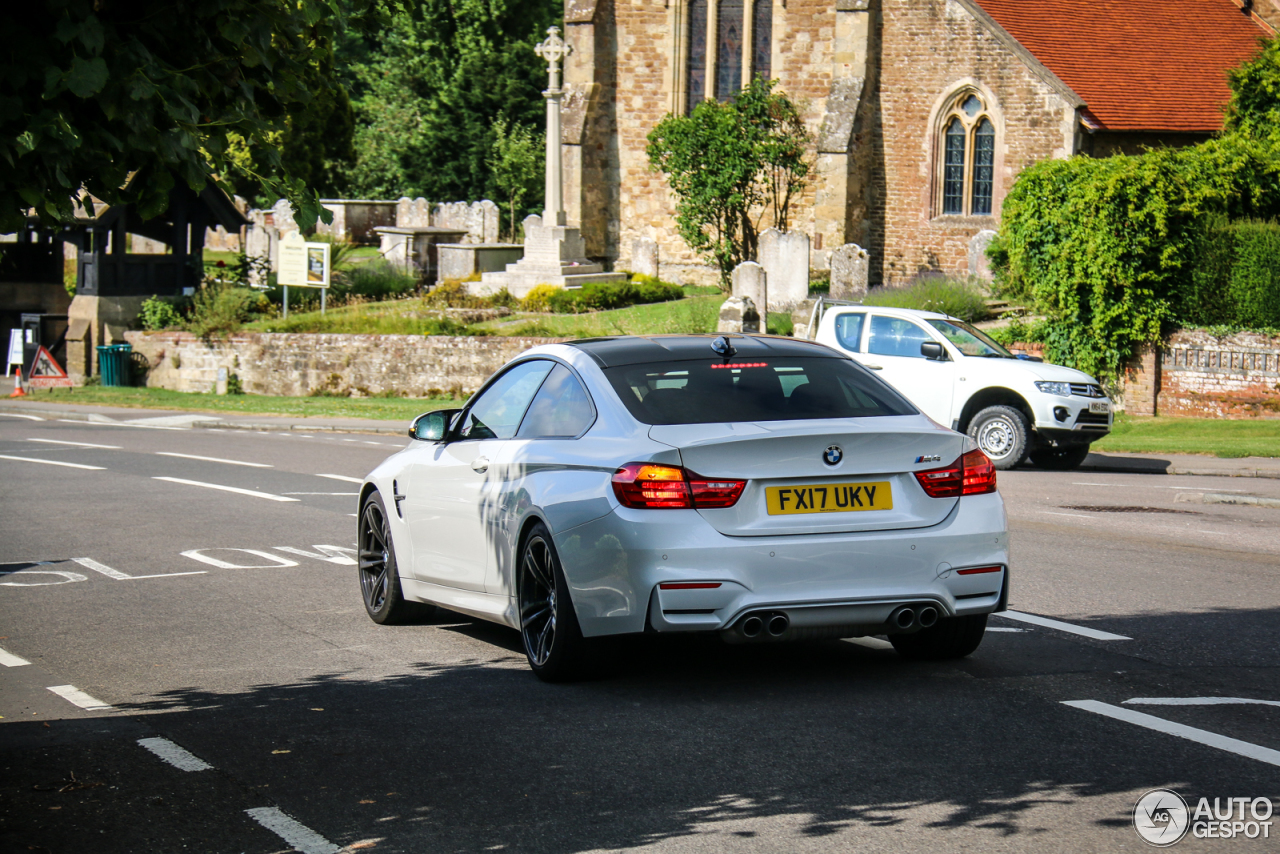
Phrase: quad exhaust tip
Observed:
(752, 626)
(778, 625)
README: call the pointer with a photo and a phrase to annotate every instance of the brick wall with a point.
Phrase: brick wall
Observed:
(299, 364)
(1232, 377)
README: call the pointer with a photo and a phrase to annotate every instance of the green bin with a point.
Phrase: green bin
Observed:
(113, 364)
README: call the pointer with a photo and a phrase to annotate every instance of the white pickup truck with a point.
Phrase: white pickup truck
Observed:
(1015, 407)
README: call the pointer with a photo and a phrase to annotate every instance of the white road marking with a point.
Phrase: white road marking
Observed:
(75, 696)
(68, 577)
(1061, 626)
(331, 554)
(1004, 629)
(235, 489)
(117, 424)
(8, 659)
(871, 643)
(53, 463)
(1201, 736)
(16, 415)
(342, 477)
(1074, 515)
(295, 833)
(90, 563)
(276, 560)
(321, 493)
(178, 757)
(77, 444)
(1199, 701)
(213, 460)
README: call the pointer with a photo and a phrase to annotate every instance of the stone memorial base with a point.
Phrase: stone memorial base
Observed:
(553, 255)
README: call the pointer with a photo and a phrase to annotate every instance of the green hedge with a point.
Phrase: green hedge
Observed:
(1235, 281)
(1109, 248)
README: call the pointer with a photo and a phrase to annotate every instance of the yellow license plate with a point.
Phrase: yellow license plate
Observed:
(829, 498)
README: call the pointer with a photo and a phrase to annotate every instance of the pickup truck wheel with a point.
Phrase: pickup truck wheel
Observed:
(1059, 459)
(1001, 432)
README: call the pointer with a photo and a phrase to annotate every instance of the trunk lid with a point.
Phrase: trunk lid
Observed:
(876, 453)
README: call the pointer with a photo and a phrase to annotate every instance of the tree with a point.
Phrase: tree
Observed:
(428, 89)
(92, 91)
(729, 165)
(1254, 108)
(518, 164)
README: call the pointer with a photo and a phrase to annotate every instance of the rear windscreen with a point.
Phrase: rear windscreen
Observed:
(767, 389)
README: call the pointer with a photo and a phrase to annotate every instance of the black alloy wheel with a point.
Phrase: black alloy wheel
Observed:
(379, 576)
(549, 628)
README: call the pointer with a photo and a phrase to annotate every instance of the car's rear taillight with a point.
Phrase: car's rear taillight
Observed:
(651, 486)
(979, 473)
(972, 474)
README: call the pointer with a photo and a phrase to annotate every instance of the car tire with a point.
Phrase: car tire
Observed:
(549, 630)
(377, 569)
(1001, 432)
(1059, 459)
(950, 637)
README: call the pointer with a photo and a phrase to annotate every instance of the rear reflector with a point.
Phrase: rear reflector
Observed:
(657, 487)
(972, 474)
(689, 585)
(978, 570)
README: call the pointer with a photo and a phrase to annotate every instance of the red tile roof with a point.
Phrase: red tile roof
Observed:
(1155, 65)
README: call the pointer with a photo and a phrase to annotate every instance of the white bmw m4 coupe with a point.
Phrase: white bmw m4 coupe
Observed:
(763, 488)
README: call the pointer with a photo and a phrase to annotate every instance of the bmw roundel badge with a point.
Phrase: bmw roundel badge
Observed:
(833, 455)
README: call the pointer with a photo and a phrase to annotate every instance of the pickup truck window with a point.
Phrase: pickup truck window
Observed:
(970, 341)
(849, 331)
(894, 336)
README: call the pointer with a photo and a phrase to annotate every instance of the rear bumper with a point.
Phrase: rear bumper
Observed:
(616, 566)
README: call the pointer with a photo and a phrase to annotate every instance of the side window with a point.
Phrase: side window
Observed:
(497, 412)
(849, 331)
(894, 336)
(560, 410)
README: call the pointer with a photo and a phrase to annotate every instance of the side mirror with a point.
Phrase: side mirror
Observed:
(432, 426)
(931, 350)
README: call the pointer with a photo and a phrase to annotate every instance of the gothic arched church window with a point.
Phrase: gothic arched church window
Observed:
(725, 43)
(967, 155)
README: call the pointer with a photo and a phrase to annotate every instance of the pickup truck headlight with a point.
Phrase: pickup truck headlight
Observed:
(1060, 389)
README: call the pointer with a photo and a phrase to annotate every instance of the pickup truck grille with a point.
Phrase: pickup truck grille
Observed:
(1087, 390)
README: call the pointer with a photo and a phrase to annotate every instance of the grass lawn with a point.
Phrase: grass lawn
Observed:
(1210, 436)
(697, 312)
(381, 408)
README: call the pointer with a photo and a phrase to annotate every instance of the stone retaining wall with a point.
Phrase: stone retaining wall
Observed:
(1237, 376)
(302, 364)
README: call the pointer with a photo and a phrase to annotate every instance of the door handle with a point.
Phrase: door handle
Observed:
(874, 367)
(480, 465)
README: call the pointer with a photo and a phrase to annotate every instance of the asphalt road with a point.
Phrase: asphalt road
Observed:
(224, 631)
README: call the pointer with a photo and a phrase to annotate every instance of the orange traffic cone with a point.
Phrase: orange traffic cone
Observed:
(17, 387)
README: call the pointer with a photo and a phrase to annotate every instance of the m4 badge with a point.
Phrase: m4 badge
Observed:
(929, 458)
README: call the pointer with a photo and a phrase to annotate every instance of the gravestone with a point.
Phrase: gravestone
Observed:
(644, 257)
(738, 314)
(785, 258)
(750, 280)
(850, 265)
(978, 264)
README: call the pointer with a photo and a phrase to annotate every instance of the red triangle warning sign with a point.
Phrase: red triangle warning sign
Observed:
(46, 372)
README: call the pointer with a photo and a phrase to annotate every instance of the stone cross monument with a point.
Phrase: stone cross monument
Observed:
(553, 252)
(554, 51)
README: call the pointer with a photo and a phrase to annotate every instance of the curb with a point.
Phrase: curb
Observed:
(1137, 469)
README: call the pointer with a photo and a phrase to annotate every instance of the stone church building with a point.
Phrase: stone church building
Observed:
(923, 111)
